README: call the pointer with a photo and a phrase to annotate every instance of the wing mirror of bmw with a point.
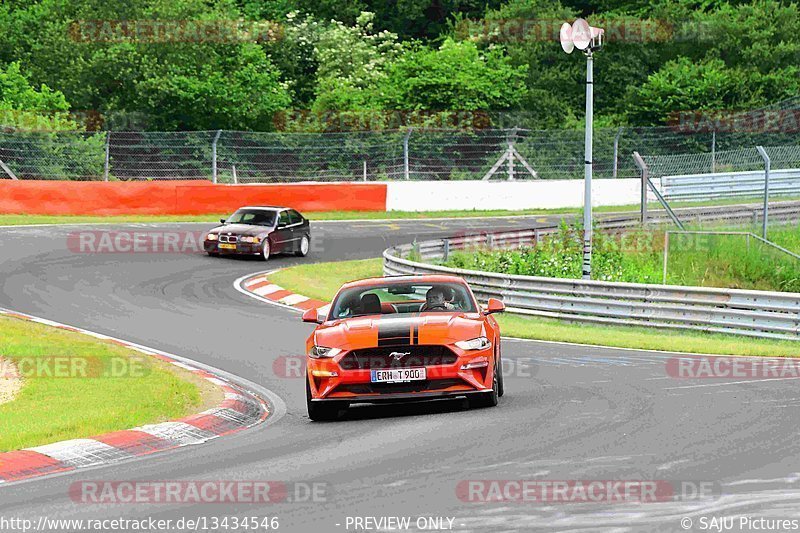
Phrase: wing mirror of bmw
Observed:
(222, 221)
(312, 315)
(494, 306)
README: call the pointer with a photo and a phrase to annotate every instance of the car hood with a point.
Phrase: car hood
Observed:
(241, 229)
(399, 329)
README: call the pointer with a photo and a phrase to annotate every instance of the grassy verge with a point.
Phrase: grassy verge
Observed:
(321, 280)
(726, 261)
(62, 400)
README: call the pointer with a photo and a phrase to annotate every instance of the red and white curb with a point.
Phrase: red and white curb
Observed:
(241, 409)
(259, 286)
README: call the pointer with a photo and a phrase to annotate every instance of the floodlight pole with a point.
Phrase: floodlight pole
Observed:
(587, 169)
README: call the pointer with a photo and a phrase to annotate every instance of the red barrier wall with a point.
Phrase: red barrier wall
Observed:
(181, 198)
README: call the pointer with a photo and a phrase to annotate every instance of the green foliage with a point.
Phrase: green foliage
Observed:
(410, 55)
(456, 76)
(637, 257)
(709, 85)
(174, 85)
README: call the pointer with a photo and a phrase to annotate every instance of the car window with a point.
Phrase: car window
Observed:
(253, 217)
(294, 217)
(283, 219)
(390, 298)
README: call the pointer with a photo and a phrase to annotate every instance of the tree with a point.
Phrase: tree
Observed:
(456, 76)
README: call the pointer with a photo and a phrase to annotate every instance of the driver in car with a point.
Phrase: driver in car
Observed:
(435, 300)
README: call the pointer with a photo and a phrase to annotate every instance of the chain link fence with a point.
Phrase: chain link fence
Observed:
(423, 154)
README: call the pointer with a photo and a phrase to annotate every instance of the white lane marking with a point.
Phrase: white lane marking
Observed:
(293, 299)
(254, 281)
(77, 452)
(267, 289)
(727, 383)
(217, 381)
(177, 432)
(237, 284)
(183, 366)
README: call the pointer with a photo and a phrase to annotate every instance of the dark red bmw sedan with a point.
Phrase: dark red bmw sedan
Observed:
(262, 231)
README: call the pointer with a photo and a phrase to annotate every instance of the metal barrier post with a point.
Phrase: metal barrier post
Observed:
(713, 151)
(406, 173)
(666, 254)
(8, 170)
(767, 162)
(616, 153)
(107, 158)
(446, 250)
(643, 169)
(214, 156)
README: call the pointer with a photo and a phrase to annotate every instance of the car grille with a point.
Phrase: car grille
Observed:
(389, 357)
(229, 238)
(398, 388)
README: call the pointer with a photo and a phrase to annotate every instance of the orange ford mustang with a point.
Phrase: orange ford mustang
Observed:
(402, 338)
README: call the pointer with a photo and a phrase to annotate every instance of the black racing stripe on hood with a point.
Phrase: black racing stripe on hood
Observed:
(394, 331)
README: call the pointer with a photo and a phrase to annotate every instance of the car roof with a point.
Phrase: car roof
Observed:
(265, 207)
(427, 278)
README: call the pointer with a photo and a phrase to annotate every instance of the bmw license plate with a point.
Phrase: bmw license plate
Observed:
(227, 246)
(398, 375)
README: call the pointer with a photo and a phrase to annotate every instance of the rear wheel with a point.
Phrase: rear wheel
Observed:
(486, 399)
(322, 411)
(265, 251)
(305, 244)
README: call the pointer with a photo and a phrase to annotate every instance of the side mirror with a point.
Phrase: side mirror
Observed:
(494, 306)
(312, 315)
(222, 221)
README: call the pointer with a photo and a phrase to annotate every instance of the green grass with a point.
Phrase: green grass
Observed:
(321, 281)
(51, 409)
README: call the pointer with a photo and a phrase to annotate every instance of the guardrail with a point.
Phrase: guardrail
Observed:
(733, 311)
(729, 185)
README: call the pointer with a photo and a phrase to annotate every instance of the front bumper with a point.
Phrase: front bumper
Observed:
(329, 381)
(241, 248)
(389, 397)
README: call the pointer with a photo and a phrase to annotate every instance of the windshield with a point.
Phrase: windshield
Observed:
(254, 217)
(389, 298)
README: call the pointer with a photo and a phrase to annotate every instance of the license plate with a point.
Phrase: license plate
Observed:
(398, 375)
(227, 246)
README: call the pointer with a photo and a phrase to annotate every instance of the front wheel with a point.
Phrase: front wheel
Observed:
(322, 411)
(305, 245)
(265, 251)
(486, 399)
(500, 382)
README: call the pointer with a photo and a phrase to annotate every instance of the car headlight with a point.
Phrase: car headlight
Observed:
(253, 240)
(481, 343)
(212, 237)
(318, 352)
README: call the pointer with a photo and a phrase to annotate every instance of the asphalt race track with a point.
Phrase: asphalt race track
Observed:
(569, 413)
